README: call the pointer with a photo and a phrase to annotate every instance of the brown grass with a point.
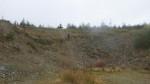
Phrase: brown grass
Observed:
(72, 77)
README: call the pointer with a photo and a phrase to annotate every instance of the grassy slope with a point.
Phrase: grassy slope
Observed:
(36, 51)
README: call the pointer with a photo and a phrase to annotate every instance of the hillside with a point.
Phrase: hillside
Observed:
(26, 51)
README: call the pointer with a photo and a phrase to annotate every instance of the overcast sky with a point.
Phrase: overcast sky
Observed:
(53, 12)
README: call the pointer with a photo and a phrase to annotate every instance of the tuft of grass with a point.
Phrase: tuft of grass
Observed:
(78, 77)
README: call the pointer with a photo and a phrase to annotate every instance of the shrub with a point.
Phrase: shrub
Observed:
(32, 45)
(39, 39)
(142, 40)
(99, 63)
(42, 41)
(10, 36)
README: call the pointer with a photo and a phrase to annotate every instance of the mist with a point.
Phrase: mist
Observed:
(54, 12)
